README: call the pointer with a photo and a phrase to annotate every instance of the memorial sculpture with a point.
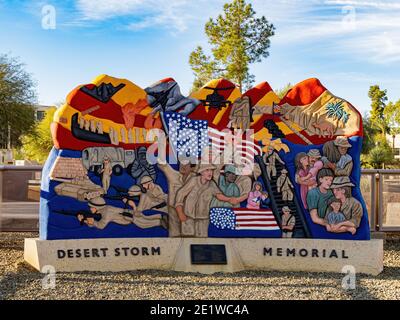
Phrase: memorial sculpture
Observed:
(297, 176)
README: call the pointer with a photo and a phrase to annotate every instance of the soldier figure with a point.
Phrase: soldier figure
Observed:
(141, 167)
(227, 184)
(120, 216)
(344, 166)
(193, 201)
(153, 197)
(240, 114)
(270, 159)
(285, 186)
(176, 179)
(106, 174)
(288, 223)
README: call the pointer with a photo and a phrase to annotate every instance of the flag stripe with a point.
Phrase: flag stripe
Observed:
(255, 223)
(248, 219)
(253, 212)
(254, 219)
(256, 228)
(216, 132)
(255, 216)
(246, 144)
(244, 219)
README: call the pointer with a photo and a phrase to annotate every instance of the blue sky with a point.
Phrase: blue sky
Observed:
(349, 45)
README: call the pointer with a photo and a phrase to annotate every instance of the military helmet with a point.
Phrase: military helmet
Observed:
(342, 142)
(341, 182)
(97, 202)
(145, 179)
(135, 190)
(230, 169)
(286, 209)
(204, 167)
(314, 153)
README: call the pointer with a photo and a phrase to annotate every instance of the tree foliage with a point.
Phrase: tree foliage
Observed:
(384, 119)
(385, 116)
(392, 117)
(281, 93)
(238, 38)
(380, 155)
(203, 67)
(370, 132)
(17, 97)
(378, 103)
(37, 144)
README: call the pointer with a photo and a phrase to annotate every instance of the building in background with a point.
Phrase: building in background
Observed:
(394, 142)
(40, 111)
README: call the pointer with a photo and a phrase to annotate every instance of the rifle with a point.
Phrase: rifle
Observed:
(157, 206)
(121, 197)
(126, 191)
(122, 194)
(86, 214)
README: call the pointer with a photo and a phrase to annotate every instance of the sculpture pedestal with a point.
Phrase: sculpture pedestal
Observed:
(206, 256)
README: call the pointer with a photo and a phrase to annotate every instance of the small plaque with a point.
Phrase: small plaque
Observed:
(208, 254)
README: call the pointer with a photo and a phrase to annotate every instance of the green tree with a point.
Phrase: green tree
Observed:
(380, 155)
(281, 93)
(378, 103)
(17, 97)
(203, 67)
(384, 115)
(238, 38)
(370, 132)
(392, 119)
(37, 144)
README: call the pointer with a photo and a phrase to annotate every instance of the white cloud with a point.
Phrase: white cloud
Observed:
(369, 30)
(170, 14)
(105, 9)
(382, 48)
(362, 3)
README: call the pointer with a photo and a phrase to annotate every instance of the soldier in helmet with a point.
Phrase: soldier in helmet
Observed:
(288, 223)
(176, 179)
(132, 192)
(120, 216)
(192, 202)
(108, 214)
(95, 206)
(270, 159)
(154, 196)
(106, 174)
(227, 184)
(240, 114)
(141, 167)
(285, 186)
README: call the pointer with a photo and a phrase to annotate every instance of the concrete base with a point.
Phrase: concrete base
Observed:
(174, 254)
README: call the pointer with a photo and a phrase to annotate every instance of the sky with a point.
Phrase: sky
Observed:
(347, 44)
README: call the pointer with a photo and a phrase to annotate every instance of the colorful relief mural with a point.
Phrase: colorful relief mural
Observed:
(133, 162)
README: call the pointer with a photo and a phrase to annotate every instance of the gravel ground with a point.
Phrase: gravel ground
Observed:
(20, 281)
